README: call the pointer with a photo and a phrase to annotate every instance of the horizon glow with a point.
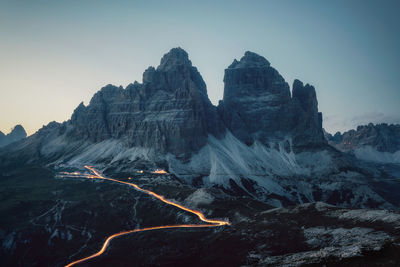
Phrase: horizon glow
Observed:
(55, 54)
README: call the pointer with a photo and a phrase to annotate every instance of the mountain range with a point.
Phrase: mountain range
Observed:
(262, 140)
(377, 143)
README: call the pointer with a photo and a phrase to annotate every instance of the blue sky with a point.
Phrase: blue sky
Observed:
(55, 54)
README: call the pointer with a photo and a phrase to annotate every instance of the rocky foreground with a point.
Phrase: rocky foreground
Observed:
(55, 221)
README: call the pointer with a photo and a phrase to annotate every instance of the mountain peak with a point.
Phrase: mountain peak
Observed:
(176, 56)
(250, 60)
(18, 129)
(302, 91)
(17, 133)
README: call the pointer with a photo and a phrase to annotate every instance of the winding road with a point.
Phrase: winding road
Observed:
(96, 175)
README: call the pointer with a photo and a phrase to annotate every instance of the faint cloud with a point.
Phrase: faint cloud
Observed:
(334, 123)
(376, 117)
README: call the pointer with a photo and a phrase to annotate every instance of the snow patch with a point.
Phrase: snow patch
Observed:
(371, 154)
(353, 238)
(109, 150)
(369, 216)
(200, 196)
(224, 159)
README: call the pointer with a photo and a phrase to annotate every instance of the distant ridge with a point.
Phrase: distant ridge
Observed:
(16, 134)
(373, 142)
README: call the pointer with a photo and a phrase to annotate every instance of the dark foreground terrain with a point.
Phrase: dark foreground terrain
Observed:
(49, 221)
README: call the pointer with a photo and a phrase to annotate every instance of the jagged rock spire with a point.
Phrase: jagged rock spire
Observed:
(170, 112)
(175, 57)
(257, 105)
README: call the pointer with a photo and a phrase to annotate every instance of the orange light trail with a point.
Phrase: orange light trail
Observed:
(199, 214)
(159, 171)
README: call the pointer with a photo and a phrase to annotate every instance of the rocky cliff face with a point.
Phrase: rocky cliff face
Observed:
(257, 105)
(308, 128)
(382, 137)
(380, 142)
(170, 111)
(17, 133)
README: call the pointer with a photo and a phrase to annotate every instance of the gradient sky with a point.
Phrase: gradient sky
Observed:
(55, 54)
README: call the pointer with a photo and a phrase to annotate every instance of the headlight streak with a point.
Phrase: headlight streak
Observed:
(96, 175)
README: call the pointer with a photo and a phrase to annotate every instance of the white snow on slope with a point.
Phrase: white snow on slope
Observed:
(371, 154)
(198, 197)
(269, 173)
(229, 158)
(54, 145)
(369, 216)
(216, 163)
(110, 150)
